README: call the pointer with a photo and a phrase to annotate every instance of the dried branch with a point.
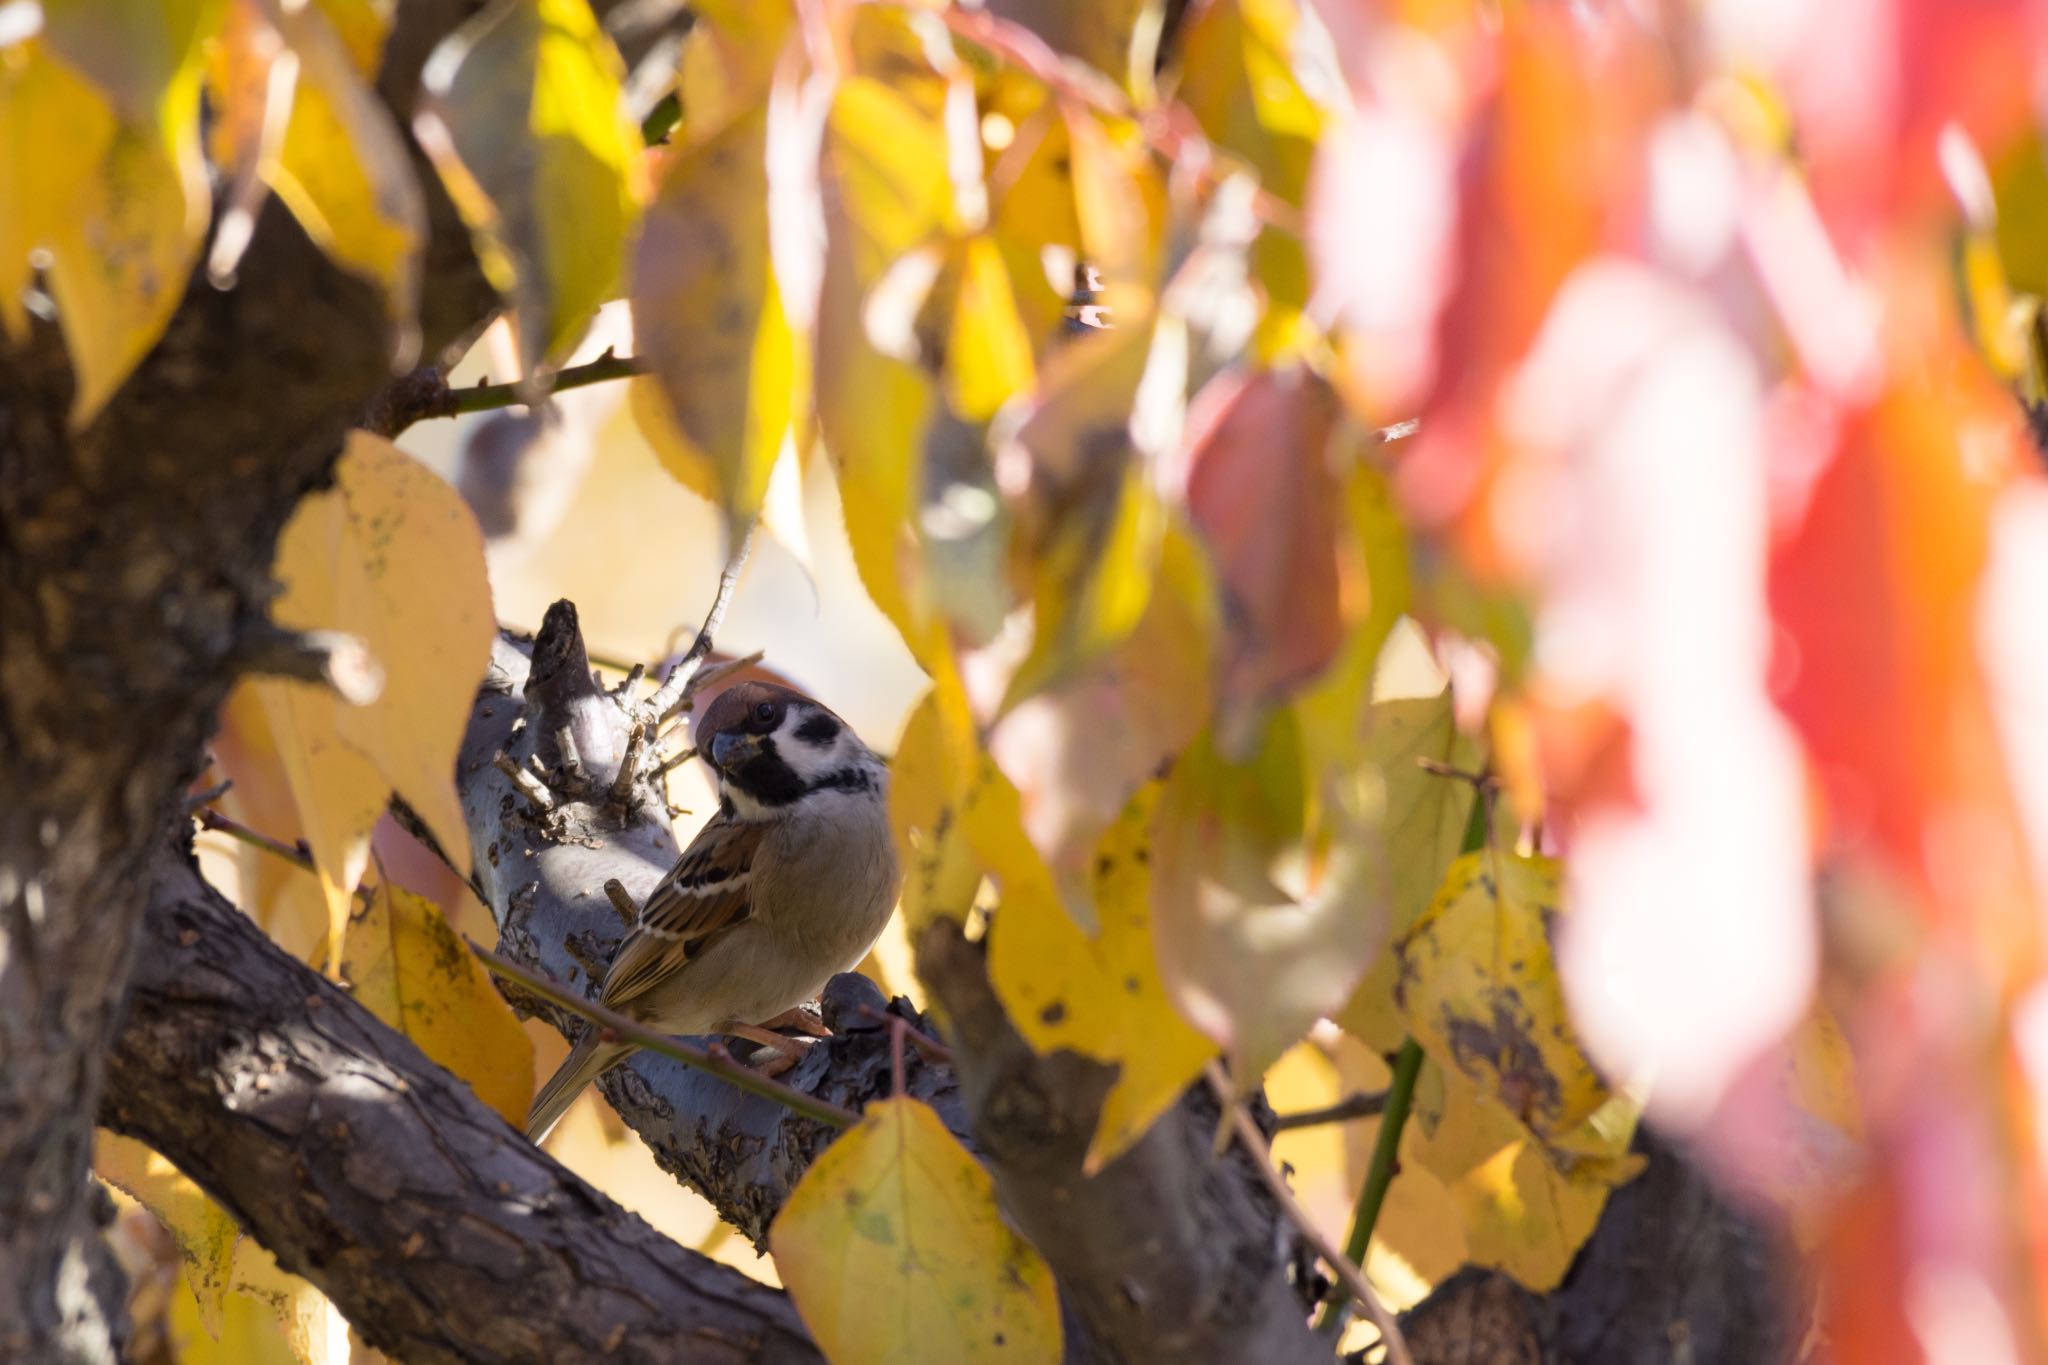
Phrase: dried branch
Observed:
(675, 688)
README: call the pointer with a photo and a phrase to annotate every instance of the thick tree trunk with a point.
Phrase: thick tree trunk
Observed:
(134, 574)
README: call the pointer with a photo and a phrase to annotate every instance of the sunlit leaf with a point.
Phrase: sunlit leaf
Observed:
(40, 181)
(1100, 993)
(343, 167)
(125, 234)
(893, 1250)
(205, 1233)
(523, 117)
(929, 780)
(710, 315)
(403, 962)
(988, 352)
(1237, 75)
(1480, 992)
(1526, 1207)
(391, 555)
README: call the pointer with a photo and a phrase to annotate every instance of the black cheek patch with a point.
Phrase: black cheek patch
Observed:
(766, 778)
(818, 731)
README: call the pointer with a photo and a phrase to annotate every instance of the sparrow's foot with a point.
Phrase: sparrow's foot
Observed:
(800, 1019)
(783, 1053)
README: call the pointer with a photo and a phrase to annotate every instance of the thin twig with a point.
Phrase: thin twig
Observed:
(488, 397)
(716, 1061)
(200, 800)
(298, 856)
(629, 766)
(675, 688)
(622, 901)
(931, 1048)
(572, 758)
(525, 783)
(1478, 781)
(898, 1027)
(676, 760)
(1347, 1273)
(1362, 1105)
(333, 658)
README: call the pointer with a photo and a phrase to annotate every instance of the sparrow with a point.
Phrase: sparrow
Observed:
(788, 884)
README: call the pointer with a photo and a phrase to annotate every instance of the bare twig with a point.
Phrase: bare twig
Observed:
(200, 800)
(715, 1061)
(572, 758)
(1247, 1133)
(425, 393)
(528, 786)
(1480, 781)
(629, 766)
(676, 760)
(929, 1047)
(332, 657)
(1362, 1105)
(297, 855)
(675, 688)
(622, 901)
(628, 684)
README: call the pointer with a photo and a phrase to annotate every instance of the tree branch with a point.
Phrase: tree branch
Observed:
(439, 1231)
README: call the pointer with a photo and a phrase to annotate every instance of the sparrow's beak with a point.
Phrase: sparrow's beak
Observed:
(727, 746)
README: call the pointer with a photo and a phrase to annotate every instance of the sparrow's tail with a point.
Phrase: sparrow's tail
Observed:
(586, 1061)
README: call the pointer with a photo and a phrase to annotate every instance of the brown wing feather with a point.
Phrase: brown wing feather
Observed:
(705, 894)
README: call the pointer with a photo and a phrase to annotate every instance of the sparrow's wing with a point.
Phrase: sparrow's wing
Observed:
(705, 894)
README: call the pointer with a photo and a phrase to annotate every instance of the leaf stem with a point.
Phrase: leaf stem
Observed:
(1379, 1174)
(629, 1030)
(209, 818)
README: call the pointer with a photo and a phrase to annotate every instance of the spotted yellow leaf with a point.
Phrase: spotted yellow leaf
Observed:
(403, 962)
(895, 1253)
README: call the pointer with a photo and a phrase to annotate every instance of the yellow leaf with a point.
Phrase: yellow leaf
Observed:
(1422, 830)
(895, 1254)
(339, 793)
(343, 168)
(728, 60)
(926, 786)
(312, 1326)
(203, 1230)
(1118, 202)
(1526, 1206)
(402, 961)
(709, 313)
(393, 556)
(249, 1333)
(1479, 990)
(523, 117)
(1099, 994)
(1237, 77)
(123, 247)
(988, 356)
(41, 178)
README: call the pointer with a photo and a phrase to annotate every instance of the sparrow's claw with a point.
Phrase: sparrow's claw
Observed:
(800, 1019)
(782, 1053)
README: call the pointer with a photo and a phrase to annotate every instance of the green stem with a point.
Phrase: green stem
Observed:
(488, 397)
(1379, 1175)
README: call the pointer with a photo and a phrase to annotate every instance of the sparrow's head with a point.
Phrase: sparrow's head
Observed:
(772, 747)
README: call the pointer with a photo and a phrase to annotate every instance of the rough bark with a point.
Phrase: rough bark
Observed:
(436, 1228)
(134, 570)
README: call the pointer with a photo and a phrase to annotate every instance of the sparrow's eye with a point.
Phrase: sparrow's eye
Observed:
(765, 712)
